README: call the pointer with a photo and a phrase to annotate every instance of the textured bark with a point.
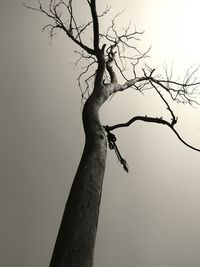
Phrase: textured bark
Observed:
(76, 238)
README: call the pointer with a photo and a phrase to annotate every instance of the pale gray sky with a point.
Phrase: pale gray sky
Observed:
(149, 217)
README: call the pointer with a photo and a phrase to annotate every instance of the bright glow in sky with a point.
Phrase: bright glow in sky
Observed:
(175, 25)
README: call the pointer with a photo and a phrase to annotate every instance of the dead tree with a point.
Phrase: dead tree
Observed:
(111, 55)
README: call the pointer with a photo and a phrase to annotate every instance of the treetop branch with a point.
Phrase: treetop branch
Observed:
(120, 57)
(93, 9)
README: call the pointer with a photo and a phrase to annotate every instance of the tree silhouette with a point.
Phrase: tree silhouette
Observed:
(112, 55)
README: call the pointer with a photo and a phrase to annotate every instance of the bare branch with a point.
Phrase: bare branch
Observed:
(154, 120)
(92, 5)
(124, 42)
(109, 63)
(174, 119)
(180, 92)
(72, 29)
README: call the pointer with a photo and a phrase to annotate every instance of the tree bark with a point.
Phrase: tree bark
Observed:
(76, 237)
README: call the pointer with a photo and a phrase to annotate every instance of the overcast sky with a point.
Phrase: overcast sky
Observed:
(149, 217)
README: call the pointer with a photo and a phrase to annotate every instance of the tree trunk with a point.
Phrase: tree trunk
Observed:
(76, 238)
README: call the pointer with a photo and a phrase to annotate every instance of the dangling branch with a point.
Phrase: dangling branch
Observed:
(112, 145)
